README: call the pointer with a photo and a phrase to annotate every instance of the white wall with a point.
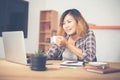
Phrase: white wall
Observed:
(108, 44)
(99, 12)
(34, 21)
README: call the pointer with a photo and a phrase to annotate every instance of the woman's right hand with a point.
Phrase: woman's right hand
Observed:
(61, 41)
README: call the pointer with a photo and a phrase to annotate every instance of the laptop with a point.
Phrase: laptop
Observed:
(14, 47)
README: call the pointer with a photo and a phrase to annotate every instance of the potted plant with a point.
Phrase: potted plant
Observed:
(38, 61)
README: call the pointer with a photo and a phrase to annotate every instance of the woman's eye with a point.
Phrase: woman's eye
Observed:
(69, 21)
(63, 23)
(66, 22)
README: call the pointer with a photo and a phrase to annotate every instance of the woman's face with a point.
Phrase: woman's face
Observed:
(69, 24)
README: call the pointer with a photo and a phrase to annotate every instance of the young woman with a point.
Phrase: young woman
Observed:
(75, 41)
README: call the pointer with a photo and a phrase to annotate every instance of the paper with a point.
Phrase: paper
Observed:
(98, 63)
(72, 63)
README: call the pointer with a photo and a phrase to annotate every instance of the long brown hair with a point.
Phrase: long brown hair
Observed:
(82, 24)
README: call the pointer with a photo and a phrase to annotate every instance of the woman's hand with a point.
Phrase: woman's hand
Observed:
(61, 41)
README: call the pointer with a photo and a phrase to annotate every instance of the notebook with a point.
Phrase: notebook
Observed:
(103, 71)
(72, 63)
(14, 47)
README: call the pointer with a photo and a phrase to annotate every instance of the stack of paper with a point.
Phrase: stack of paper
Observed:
(72, 63)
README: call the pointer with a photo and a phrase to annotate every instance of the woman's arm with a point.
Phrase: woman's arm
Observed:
(54, 52)
(89, 53)
(70, 44)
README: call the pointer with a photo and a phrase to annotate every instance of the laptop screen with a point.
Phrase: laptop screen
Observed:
(14, 46)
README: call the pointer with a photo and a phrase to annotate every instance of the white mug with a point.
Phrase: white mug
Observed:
(53, 39)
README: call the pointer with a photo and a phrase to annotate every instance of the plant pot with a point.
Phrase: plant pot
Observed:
(38, 63)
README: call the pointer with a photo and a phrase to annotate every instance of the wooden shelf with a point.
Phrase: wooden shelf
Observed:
(48, 27)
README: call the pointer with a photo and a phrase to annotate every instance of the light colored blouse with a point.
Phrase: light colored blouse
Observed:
(68, 55)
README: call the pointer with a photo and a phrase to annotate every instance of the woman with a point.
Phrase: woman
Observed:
(75, 41)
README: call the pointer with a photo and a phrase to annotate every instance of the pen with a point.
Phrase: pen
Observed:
(72, 62)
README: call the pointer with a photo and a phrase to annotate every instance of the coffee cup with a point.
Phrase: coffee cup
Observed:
(53, 39)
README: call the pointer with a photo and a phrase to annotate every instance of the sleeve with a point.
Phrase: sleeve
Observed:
(89, 54)
(54, 52)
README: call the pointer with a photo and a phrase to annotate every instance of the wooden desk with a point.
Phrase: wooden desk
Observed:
(12, 71)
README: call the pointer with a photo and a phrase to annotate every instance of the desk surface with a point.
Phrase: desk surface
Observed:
(12, 71)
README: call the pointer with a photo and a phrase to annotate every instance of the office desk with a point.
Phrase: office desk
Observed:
(13, 71)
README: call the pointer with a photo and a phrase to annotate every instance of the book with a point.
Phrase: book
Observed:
(103, 71)
(72, 63)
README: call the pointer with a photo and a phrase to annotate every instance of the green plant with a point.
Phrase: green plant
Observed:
(39, 53)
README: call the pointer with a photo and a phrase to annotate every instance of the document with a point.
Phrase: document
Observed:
(72, 63)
